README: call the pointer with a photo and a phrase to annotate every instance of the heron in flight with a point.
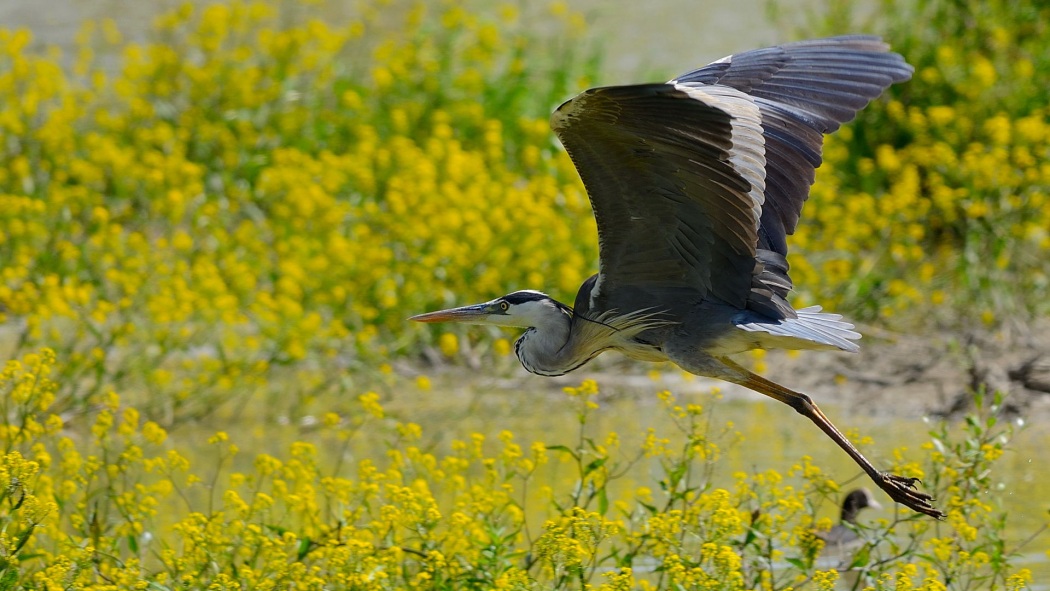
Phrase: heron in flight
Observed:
(696, 184)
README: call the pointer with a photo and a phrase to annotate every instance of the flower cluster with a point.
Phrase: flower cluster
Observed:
(256, 192)
(939, 197)
(111, 500)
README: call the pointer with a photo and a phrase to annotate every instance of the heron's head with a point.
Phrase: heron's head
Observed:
(522, 309)
(856, 500)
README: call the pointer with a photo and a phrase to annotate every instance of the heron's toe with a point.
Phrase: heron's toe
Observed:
(903, 490)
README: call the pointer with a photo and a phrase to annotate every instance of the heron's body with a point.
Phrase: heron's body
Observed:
(696, 184)
(561, 339)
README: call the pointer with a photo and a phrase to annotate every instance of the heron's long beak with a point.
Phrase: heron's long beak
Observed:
(472, 313)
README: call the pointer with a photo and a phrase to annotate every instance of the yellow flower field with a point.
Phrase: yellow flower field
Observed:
(120, 505)
(242, 212)
(241, 197)
(938, 200)
(256, 189)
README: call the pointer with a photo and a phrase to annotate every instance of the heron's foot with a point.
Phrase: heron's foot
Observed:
(903, 491)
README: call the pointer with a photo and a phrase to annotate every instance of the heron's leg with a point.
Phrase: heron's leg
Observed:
(899, 488)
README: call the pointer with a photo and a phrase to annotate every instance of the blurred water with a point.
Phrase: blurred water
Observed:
(56, 22)
(660, 37)
(668, 37)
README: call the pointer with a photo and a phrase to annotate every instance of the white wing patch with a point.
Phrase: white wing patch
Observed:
(597, 288)
(748, 155)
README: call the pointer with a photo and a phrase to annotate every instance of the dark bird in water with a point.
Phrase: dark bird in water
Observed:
(696, 184)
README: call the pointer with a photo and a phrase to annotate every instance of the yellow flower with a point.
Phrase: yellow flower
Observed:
(370, 403)
(501, 347)
(449, 344)
(153, 433)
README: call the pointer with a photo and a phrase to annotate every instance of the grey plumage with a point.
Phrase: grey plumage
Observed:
(692, 194)
(695, 185)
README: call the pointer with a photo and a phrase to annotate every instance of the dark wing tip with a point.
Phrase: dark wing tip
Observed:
(751, 68)
(804, 89)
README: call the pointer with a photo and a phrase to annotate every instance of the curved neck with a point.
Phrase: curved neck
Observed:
(850, 509)
(541, 349)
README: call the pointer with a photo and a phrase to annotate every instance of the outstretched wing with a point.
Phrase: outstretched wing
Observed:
(803, 90)
(696, 183)
(675, 177)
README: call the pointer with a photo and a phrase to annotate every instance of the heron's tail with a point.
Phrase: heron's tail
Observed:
(816, 330)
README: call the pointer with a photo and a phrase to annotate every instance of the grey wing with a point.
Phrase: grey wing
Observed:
(675, 178)
(803, 90)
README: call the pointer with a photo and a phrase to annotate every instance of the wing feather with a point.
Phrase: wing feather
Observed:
(675, 177)
(803, 90)
(696, 183)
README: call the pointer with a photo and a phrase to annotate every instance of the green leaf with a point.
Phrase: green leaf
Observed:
(9, 580)
(562, 448)
(277, 529)
(304, 548)
(750, 537)
(675, 476)
(594, 465)
(862, 557)
(603, 502)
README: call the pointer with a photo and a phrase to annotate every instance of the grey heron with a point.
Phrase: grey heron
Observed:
(695, 185)
(843, 536)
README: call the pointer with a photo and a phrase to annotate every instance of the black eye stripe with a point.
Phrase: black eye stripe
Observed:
(520, 297)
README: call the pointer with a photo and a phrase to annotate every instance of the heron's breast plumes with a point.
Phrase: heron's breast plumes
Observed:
(542, 353)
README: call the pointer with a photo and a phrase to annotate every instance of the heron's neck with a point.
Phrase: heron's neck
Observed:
(850, 510)
(542, 348)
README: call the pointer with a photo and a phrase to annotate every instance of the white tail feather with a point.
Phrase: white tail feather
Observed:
(822, 329)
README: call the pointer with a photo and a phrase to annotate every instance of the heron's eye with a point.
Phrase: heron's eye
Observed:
(504, 306)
